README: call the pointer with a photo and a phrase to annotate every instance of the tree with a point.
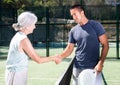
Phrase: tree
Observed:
(17, 3)
(94, 2)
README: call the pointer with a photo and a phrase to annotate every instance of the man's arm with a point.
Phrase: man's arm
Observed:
(68, 50)
(105, 47)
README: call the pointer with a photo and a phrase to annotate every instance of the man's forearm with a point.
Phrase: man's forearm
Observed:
(104, 52)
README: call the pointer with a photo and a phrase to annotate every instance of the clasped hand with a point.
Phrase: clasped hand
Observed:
(57, 59)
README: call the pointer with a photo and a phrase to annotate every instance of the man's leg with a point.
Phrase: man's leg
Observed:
(76, 73)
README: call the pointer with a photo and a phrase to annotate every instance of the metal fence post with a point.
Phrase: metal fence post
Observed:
(47, 31)
(0, 11)
(81, 2)
(117, 29)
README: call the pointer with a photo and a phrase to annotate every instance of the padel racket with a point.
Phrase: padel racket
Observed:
(87, 77)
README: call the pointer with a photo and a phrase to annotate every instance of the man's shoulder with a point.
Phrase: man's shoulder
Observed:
(94, 22)
(75, 27)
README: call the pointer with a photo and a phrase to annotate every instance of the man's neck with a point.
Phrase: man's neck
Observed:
(84, 21)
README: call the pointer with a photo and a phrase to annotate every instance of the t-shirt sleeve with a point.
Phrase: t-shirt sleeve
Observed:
(99, 29)
(71, 37)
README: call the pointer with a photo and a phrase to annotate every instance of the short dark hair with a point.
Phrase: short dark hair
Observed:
(81, 7)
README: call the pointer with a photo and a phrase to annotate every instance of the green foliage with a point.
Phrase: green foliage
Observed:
(18, 3)
(7, 1)
(49, 3)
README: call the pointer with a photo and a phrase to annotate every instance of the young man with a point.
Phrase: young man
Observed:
(88, 35)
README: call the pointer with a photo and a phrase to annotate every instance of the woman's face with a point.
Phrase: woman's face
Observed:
(31, 28)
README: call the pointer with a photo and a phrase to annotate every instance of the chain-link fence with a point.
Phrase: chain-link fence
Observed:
(54, 24)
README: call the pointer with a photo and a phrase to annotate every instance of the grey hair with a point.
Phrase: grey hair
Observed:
(25, 19)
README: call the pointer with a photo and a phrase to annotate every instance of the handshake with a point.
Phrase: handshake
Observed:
(57, 58)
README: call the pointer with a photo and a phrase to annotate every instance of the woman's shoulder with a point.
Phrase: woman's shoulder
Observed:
(20, 36)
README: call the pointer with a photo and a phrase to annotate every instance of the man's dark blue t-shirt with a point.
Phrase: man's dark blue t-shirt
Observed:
(87, 39)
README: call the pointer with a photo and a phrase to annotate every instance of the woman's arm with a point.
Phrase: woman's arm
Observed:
(30, 51)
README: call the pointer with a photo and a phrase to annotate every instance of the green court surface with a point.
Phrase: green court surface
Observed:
(48, 73)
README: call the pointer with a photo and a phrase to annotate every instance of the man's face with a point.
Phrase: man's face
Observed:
(76, 14)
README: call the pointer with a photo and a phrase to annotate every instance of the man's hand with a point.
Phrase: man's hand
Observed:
(98, 68)
(57, 59)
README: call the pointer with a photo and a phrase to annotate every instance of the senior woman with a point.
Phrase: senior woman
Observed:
(21, 49)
